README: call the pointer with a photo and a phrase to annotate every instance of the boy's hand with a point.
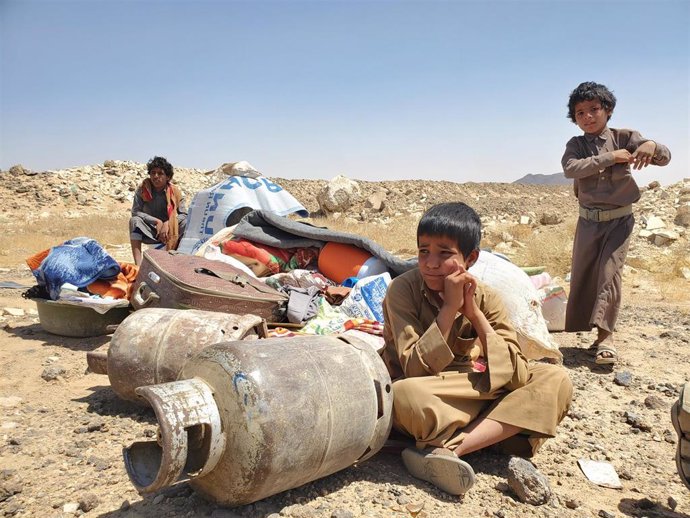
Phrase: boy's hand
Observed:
(642, 156)
(622, 156)
(163, 231)
(469, 307)
(453, 294)
(458, 291)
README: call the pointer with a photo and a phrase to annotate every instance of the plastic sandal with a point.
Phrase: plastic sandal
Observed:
(602, 349)
(441, 467)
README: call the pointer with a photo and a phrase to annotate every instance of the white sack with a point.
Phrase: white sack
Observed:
(522, 303)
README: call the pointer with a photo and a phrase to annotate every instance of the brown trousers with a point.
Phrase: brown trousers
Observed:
(434, 409)
(599, 251)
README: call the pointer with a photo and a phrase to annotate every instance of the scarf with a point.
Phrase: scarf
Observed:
(173, 195)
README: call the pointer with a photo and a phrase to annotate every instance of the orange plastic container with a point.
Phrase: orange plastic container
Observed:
(338, 261)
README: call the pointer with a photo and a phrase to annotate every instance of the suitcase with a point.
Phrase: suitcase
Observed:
(167, 279)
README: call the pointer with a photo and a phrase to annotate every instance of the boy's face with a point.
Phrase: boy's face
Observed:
(438, 257)
(591, 117)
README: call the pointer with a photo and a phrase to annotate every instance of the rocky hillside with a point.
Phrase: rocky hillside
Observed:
(663, 213)
(545, 179)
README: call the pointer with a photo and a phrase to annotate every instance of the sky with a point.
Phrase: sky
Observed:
(466, 91)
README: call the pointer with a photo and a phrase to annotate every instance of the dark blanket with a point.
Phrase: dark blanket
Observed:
(278, 231)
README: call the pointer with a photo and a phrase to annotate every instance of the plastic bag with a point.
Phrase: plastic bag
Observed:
(366, 298)
(553, 303)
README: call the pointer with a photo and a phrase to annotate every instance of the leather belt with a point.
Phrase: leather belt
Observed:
(600, 215)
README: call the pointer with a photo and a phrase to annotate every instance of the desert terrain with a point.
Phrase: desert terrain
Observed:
(62, 429)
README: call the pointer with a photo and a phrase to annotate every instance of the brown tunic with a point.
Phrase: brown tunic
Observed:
(436, 391)
(600, 248)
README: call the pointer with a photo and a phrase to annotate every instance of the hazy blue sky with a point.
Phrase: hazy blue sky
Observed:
(455, 90)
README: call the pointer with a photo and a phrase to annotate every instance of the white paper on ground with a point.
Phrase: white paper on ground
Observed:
(601, 473)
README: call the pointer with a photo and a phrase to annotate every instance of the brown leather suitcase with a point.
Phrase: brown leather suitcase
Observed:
(171, 280)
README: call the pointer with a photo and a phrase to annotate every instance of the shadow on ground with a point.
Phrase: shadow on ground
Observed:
(647, 508)
(103, 401)
(580, 356)
(36, 332)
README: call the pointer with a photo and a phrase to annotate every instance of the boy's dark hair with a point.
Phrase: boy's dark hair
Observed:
(588, 91)
(158, 162)
(454, 220)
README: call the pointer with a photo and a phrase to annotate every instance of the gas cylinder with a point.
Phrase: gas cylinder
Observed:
(247, 420)
(151, 345)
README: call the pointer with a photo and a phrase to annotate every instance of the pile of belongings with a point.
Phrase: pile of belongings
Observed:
(80, 272)
(335, 281)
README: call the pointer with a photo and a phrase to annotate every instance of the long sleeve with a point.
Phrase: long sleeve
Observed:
(138, 209)
(662, 155)
(420, 350)
(576, 164)
(416, 347)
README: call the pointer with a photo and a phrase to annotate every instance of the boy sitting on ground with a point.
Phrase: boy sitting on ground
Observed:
(460, 381)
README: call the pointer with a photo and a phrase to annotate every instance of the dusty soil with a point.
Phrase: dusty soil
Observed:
(61, 440)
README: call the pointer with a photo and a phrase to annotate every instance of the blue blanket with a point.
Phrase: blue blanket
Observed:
(79, 261)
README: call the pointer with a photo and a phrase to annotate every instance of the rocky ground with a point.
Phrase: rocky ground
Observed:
(62, 429)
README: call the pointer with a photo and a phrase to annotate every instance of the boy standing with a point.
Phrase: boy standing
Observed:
(599, 162)
(460, 382)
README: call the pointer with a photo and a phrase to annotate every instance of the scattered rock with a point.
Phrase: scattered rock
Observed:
(654, 402)
(654, 223)
(623, 378)
(683, 215)
(664, 237)
(376, 201)
(9, 488)
(636, 421)
(572, 503)
(53, 372)
(70, 508)
(530, 486)
(605, 514)
(551, 218)
(13, 312)
(10, 401)
(88, 502)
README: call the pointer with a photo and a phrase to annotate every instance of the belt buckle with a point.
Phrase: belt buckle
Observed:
(593, 215)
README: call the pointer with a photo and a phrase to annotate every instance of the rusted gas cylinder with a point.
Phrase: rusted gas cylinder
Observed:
(152, 345)
(248, 420)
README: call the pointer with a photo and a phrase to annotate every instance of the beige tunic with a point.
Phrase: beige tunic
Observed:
(436, 391)
(600, 248)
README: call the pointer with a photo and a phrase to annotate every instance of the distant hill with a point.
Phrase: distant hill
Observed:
(545, 179)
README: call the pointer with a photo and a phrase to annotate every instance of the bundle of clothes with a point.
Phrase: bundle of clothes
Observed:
(81, 271)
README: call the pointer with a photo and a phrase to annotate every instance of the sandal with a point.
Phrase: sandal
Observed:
(441, 467)
(680, 416)
(605, 354)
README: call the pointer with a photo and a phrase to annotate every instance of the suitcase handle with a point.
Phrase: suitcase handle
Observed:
(139, 299)
(240, 280)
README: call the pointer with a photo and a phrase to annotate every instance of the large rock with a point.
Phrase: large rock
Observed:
(530, 486)
(338, 195)
(683, 215)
